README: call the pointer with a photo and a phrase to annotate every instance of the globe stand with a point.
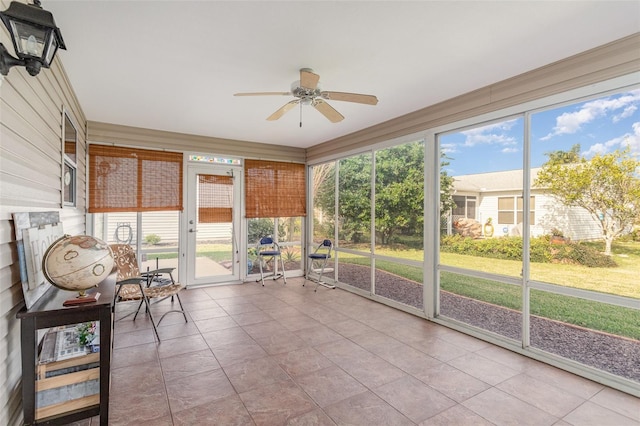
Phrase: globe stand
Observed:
(82, 298)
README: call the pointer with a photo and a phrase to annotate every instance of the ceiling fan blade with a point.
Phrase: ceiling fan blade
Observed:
(262, 94)
(286, 107)
(350, 97)
(308, 79)
(328, 111)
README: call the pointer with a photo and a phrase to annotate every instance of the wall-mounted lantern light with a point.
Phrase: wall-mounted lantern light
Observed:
(35, 37)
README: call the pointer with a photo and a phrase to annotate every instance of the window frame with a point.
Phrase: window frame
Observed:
(69, 165)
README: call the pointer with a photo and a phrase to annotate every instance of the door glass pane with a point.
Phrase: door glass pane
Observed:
(214, 238)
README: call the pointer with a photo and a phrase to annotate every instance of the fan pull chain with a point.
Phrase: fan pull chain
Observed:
(300, 114)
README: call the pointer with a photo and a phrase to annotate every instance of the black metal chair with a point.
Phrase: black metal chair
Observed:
(318, 262)
(268, 250)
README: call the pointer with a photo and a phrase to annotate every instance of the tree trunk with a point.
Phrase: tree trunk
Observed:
(607, 245)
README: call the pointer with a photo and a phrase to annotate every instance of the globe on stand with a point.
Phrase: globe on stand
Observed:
(77, 263)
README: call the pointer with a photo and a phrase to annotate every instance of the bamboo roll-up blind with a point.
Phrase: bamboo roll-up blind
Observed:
(274, 189)
(133, 180)
(215, 199)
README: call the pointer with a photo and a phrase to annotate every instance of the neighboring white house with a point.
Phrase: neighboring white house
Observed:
(498, 195)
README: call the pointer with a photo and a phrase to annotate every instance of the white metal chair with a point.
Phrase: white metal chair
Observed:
(267, 251)
(318, 262)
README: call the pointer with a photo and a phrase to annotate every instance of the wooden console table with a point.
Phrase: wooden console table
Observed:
(49, 312)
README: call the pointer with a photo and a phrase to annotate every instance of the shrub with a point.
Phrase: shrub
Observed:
(152, 239)
(541, 250)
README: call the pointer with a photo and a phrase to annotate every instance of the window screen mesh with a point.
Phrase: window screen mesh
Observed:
(215, 199)
(274, 189)
(133, 180)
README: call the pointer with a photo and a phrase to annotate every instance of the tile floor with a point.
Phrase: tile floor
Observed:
(284, 355)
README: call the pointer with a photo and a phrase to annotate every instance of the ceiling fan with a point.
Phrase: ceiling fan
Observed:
(307, 91)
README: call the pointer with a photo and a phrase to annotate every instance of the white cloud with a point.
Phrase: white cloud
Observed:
(448, 148)
(509, 150)
(492, 134)
(572, 122)
(631, 140)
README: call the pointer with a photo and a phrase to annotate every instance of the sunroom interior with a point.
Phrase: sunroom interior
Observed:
(408, 303)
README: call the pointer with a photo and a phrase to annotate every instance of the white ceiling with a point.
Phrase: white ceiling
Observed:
(175, 65)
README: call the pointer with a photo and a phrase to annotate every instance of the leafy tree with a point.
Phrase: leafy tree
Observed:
(607, 186)
(399, 191)
(565, 157)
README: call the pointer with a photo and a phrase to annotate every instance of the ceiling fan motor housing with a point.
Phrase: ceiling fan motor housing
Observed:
(305, 94)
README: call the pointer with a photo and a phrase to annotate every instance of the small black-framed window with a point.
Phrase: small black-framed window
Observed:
(69, 161)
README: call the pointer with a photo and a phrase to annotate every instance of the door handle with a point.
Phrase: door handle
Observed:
(193, 230)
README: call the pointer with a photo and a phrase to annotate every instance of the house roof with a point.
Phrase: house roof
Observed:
(509, 180)
(174, 65)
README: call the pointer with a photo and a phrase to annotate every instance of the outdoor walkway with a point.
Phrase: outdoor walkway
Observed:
(278, 355)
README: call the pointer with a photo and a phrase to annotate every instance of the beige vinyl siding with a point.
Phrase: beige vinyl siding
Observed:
(157, 224)
(30, 180)
(156, 139)
(602, 63)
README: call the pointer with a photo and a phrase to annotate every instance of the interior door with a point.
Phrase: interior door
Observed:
(213, 218)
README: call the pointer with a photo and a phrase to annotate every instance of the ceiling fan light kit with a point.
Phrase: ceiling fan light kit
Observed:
(307, 91)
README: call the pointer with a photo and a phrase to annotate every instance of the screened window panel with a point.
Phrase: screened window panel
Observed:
(215, 199)
(133, 180)
(274, 189)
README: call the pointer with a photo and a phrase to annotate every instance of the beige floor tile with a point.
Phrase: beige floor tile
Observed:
(255, 373)
(226, 336)
(276, 404)
(571, 383)
(315, 417)
(483, 368)
(452, 382)
(414, 399)
(546, 397)
(283, 342)
(302, 361)
(592, 414)
(330, 385)
(181, 345)
(214, 324)
(188, 364)
(366, 409)
(191, 391)
(331, 357)
(504, 409)
(229, 411)
(620, 402)
(238, 352)
(457, 415)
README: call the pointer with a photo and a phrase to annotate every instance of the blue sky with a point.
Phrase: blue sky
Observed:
(599, 125)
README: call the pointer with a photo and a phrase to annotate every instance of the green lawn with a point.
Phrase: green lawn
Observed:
(622, 280)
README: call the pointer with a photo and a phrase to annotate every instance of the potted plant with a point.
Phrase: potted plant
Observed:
(488, 228)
